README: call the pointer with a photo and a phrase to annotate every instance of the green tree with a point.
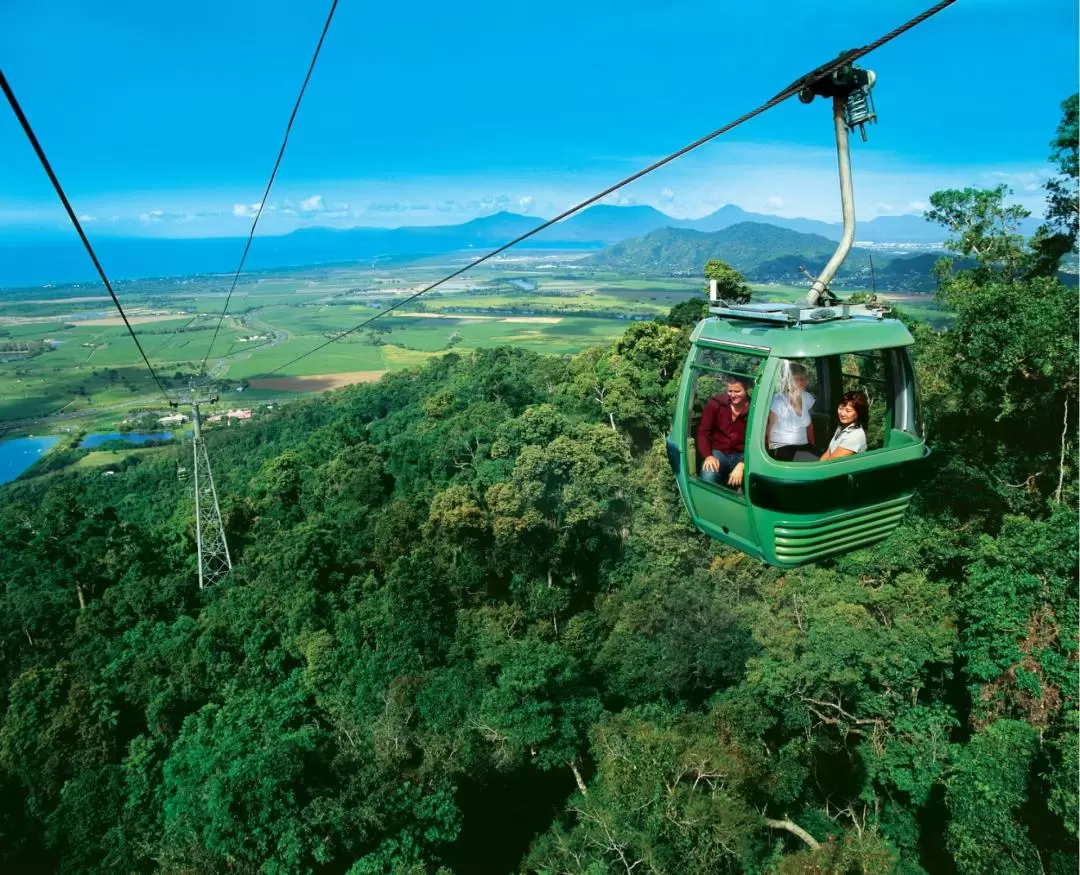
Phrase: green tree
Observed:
(851, 666)
(688, 313)
(247, 781)
(987, 788)
(540, 706)
(633, 383)
(983, 226)
(563, 506)
(607, 382)
(730, 284)
(666, 797)
(1009, 360)
(1057, 235)
(1016, 599)
(650, 650)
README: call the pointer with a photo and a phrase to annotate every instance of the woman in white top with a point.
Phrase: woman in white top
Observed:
(790, 428)
(850, 436)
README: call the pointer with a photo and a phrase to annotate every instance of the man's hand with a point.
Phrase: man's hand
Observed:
(735, 480)
(711, 464)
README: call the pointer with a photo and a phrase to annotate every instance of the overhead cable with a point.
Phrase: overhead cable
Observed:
(32, 137)
(270, 182)
(793, 89)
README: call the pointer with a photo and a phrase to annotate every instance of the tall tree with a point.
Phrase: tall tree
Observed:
(1057, 236)
(983, 226)
(730, 284)
(1007, 367)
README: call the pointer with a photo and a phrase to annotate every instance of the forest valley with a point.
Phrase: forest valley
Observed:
(470, 628)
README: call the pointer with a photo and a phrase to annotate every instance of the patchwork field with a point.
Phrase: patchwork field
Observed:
(65, 354)
(316, 382)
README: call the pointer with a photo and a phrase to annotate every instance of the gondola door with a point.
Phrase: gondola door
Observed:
(718, 509)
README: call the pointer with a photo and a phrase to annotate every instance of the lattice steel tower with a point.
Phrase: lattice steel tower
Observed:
(214, 560)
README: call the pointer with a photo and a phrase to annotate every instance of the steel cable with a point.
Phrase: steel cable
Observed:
(32, 137)
(270, 183)
(793, 89)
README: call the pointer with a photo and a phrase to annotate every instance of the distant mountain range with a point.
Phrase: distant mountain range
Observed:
(59, 258)
(755, 249)
(761, 252)
(884, 229)
(767, 254)
(605, 224)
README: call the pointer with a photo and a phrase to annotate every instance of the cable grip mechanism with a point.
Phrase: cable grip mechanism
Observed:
(854, 85)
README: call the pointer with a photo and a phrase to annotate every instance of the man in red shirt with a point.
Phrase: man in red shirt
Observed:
(721, 436)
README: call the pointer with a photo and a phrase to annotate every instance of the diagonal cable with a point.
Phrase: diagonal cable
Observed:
(793, 89)
(32, 137)
(270, 182)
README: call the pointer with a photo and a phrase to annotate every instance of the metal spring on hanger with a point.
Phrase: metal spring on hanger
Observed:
(859, 110)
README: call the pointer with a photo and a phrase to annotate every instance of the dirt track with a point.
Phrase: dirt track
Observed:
(316, 382)
(112, 321)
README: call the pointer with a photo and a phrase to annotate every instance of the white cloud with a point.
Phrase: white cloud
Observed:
(387, 207)
(745, 174)
(86, 218)
(490, 204)
(246, 211)
(766, 177)
(1012, 177)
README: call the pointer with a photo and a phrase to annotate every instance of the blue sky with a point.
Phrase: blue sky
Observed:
(164, 118)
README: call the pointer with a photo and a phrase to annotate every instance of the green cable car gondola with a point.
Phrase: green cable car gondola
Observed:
(790, 513)
(791, 508)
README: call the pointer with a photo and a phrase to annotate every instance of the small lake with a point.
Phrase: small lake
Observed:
(18, 454)
(130, 437)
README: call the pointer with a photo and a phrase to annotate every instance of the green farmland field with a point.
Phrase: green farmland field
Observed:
(78, 362)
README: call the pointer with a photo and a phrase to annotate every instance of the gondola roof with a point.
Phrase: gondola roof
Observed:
(805, 340)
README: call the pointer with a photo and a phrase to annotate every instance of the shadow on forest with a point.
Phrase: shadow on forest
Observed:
(503, 814)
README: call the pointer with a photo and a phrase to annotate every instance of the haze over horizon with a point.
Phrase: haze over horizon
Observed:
(318, 221)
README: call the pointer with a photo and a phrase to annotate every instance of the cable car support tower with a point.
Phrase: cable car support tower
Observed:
(214, 560)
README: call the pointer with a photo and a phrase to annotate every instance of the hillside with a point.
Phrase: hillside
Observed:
(470, 629)
(604, 224)
(911, 272)
(53, 257)
(36, 259)
(762, 253)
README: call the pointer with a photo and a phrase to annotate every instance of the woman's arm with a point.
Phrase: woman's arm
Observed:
(810, 433)
(768, 427)
(849, 444)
